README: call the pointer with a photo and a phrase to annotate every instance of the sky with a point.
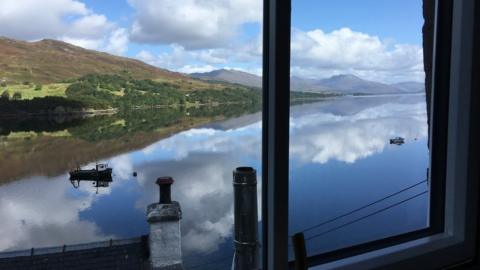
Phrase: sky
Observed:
(378, 40)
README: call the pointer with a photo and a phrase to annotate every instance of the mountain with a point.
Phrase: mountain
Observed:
(411, 87)
(303, 84)
(231, 76)
(350, 84)
(345, 83)
(48, 61)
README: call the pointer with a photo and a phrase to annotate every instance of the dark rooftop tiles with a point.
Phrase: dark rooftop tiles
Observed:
(118, 255)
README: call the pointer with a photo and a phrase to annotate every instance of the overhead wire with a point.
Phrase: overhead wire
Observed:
(366, 216)
(362, 207)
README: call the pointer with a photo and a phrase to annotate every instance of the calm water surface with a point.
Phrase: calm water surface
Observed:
(340, 156)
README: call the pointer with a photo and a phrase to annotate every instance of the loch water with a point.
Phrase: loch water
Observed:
(340, 160)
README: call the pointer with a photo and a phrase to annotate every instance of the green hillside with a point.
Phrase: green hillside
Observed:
(50, 61)
(52, 76)
(104, 91)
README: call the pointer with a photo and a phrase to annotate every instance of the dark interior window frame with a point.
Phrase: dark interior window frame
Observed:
(438, 144)
(276, 65)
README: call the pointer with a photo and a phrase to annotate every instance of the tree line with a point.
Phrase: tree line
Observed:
(102, 91)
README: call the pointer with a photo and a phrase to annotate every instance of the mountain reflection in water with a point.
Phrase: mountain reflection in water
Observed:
(340, 159)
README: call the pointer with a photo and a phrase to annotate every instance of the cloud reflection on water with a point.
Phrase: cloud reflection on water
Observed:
(204, 189)
(42, 212)
(201, 160)
(321, 137)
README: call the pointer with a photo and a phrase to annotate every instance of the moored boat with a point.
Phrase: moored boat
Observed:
(100, 172)
(397, 140)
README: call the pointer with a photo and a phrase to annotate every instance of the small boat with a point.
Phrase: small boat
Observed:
(397, 141)
(101, 172)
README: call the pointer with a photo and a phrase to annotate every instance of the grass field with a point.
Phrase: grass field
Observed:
(29, 92)
(188, 85)
(58, 89)
(31, 134)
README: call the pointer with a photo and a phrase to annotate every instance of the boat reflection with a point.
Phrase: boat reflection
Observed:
(97, 184)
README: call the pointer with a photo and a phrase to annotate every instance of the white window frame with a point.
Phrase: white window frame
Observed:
(457, 243)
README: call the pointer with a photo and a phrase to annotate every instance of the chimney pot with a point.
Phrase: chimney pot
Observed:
(165, 183)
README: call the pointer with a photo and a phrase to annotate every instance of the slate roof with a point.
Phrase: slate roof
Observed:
(116, 254)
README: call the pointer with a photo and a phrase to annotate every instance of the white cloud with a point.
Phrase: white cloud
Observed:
(115, 42)
(212, 56)
(90, 26)
(196, 68)
(118, 42)
(86, 43)
(147, 57)
(32, 19)
(203, 60)
(192, 23)
(316, 54)
(170, 60)
(67, 20)
(250, 51)
(182, 60)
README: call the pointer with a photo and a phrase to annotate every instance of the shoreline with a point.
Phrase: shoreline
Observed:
(111, 111)
(57, 114)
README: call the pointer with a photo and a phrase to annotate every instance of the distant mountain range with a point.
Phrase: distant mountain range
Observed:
(231, 76)
(345, 83)
(48, 61)
(410, 86)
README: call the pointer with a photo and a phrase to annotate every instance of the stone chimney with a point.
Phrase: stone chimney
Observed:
(165, 238)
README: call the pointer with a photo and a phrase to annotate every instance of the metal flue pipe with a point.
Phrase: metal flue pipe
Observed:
(246, 219)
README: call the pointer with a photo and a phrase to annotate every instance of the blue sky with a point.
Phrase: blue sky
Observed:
(374, 39)
(399, 20)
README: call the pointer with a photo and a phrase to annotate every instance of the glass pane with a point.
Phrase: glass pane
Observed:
(359, 153)
(166, 88)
